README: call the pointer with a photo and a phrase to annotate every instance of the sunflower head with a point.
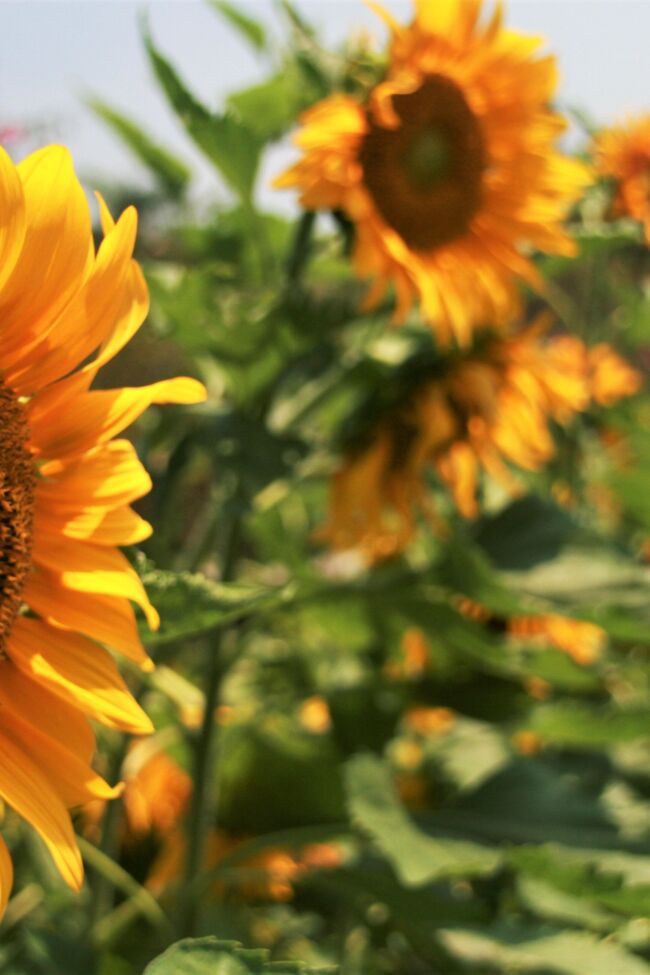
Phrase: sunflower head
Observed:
(17, 490)
(623, 155)
(65, 492)
(489, 408)
(448, 171)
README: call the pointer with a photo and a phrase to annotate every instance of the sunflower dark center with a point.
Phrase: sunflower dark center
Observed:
(427, 160)
(425, 176)
(17, 485)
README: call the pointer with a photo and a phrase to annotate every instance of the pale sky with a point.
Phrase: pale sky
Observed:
(56, 51)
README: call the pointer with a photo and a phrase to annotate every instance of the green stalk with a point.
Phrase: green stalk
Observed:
(204, 798)
(104, 890)
(301, 247)
(120, 879)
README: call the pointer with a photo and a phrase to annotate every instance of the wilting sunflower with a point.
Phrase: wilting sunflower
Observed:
(449, 171)
(65, 489)
(623, 155)
(488, 409)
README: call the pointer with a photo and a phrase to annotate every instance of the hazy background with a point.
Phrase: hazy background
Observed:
(55, 52)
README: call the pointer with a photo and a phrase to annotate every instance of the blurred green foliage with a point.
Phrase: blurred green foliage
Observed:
(515, 835)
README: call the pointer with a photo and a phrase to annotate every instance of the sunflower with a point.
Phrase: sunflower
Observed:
(611, 378)
(488, 409)
(448, 172)
(580, 639)
(65, 489)
(623, 155)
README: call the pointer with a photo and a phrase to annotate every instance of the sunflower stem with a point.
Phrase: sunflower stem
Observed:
(203, 806)
(301, 247)
(104, 892)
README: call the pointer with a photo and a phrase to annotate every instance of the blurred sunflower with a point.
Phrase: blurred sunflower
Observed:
(611, 378)
(580, 639)
(65, 490)
(488, 408)
(449, 170)
(623, 155)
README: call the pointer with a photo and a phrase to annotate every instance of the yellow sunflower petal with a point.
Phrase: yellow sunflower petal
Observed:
(6, 876)
(25, 787)
(119, 526)
(108, 619)
(92, 568)
(59, 431)
(56, 250)
(72, 779)
(126, 324)
(56, 719)
(113, 291)
(79, 672)
(110, 476)
(12, 218)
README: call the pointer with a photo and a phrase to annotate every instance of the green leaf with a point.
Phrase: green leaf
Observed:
(470, 753)
(226, 141)
(270, 108)
(273, 776)
(191, 605)
(547, 902)
(526, 532)
(515, 948)
(467, 570)
(585, 876)
(529, 802)
(249, 28)
(591, 578)
(417, 857)
(210, 956)
(172, 174)
(577, 725)
(296, 20)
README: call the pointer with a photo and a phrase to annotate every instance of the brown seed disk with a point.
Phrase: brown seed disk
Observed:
(17, 490)
(425, 177)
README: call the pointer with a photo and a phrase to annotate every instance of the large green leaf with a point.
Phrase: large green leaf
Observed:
(274, 776)
(210, 956)
(532, 802)
(588, 577)
(232, 147)
(191, 605)
(249, 28)
(271, 108)
(579, 726)
(528, 531)
(585, 876)
(173, 174)
(520, 949)
(417, 857)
